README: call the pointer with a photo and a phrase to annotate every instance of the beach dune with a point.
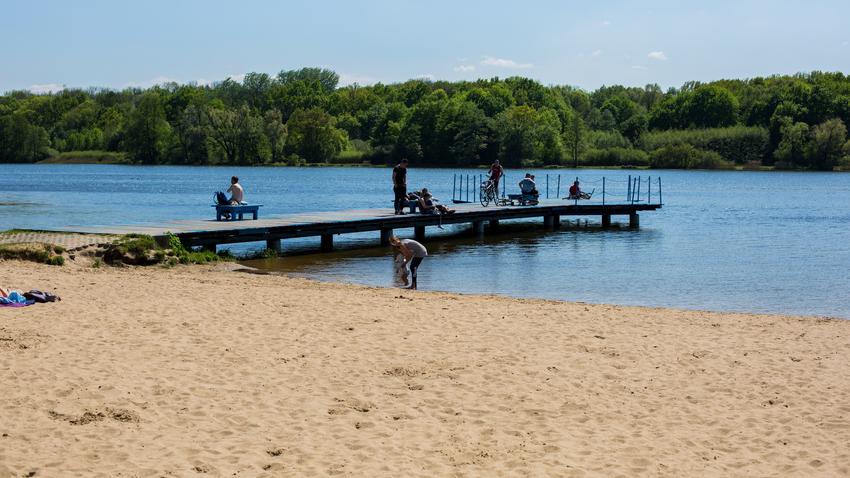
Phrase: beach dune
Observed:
(202, 371)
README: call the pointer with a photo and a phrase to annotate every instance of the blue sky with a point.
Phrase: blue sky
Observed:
(46, 44)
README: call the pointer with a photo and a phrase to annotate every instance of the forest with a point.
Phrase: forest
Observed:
(303, 117)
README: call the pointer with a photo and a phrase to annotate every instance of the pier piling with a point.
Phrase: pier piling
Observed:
(327, 242)
(634, 220)
(274, 245)
(419, 232)
(385, 236)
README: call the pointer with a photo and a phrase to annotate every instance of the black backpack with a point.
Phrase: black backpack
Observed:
(221, 199)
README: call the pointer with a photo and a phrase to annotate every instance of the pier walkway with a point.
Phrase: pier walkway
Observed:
(272, 230)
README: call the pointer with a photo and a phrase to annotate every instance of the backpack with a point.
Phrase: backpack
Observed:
(221, 198)
(41, 297)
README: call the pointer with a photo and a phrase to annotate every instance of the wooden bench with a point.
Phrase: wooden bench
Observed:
(236, 211)
(524, 199)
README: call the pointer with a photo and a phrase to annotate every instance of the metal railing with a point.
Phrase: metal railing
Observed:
(602, 190)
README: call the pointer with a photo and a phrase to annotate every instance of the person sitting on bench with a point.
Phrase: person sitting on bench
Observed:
(527, 186)
(237, 194)
(427, 204)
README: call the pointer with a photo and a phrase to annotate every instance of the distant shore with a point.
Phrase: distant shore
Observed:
(200, 369)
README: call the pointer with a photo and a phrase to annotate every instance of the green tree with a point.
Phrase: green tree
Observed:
(276, 132)
(792, 147)
(827, 145)
(575, 140)
(313, 135)
(148, 133)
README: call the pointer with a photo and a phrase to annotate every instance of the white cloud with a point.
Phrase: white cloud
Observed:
(464, 68)
(657, 55)
(238, 77)
(424, 76)
(504, 63)
(347, 79)
(47, 88)
(606, 23)
(596, 53)
(159, 80)
(639, 67)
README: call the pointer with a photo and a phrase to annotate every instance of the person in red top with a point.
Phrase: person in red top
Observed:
(575, 191)
(496, 172)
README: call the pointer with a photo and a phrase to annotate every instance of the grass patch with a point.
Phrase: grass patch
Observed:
(140, 249)
(87, 157)
(33, 252)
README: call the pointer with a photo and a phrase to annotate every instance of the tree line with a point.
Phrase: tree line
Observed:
(303, 116)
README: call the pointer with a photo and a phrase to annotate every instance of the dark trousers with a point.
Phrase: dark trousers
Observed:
(414, 264)
(400, 197)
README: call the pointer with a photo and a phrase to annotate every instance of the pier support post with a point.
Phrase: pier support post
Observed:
(634, 219)
(556, 221)
(478, 228)
(274, 245)
(385, 236)
(606, 220)
(419, 232)
(327, 242)
(548, 221)
(494, 223)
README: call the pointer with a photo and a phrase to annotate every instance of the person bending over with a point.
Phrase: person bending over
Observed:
(413, 253)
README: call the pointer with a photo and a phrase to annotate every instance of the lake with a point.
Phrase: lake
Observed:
(775, 242)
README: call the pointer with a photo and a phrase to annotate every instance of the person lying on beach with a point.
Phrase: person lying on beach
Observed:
(3, 292)
(413, 253)
(428, 205)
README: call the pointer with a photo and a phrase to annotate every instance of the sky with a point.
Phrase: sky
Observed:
(46, 44)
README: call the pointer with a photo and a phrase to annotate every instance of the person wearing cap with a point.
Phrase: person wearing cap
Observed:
(413, 253)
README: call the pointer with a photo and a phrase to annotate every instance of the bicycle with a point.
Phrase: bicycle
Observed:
(489, 193)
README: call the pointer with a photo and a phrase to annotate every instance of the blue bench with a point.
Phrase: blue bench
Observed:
(524, 199)
(236, 211)
(410, 204)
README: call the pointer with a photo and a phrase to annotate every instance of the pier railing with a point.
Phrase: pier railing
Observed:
(634, 189)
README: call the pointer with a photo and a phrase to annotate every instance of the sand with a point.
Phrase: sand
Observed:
(201, 371)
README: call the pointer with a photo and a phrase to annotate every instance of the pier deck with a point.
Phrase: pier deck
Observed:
(210, 233)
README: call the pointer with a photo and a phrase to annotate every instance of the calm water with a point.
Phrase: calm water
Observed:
(742, 241)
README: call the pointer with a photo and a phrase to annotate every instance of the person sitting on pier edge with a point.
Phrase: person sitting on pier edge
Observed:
(496, 172)
(427, 204)
(400, 186)
(576, 192)
(527, 185)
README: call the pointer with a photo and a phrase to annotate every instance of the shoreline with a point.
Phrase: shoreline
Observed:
(122, 162)
(195, 369)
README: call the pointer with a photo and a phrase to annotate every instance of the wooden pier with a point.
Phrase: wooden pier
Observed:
(273, 230)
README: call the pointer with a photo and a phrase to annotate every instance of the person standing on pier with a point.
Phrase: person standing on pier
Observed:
(400, 186)
(413, 253)
(496, 172)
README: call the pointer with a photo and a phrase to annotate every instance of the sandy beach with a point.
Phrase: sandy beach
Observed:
(202, 371)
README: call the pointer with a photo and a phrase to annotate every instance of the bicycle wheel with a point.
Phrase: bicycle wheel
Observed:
(484, 195)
